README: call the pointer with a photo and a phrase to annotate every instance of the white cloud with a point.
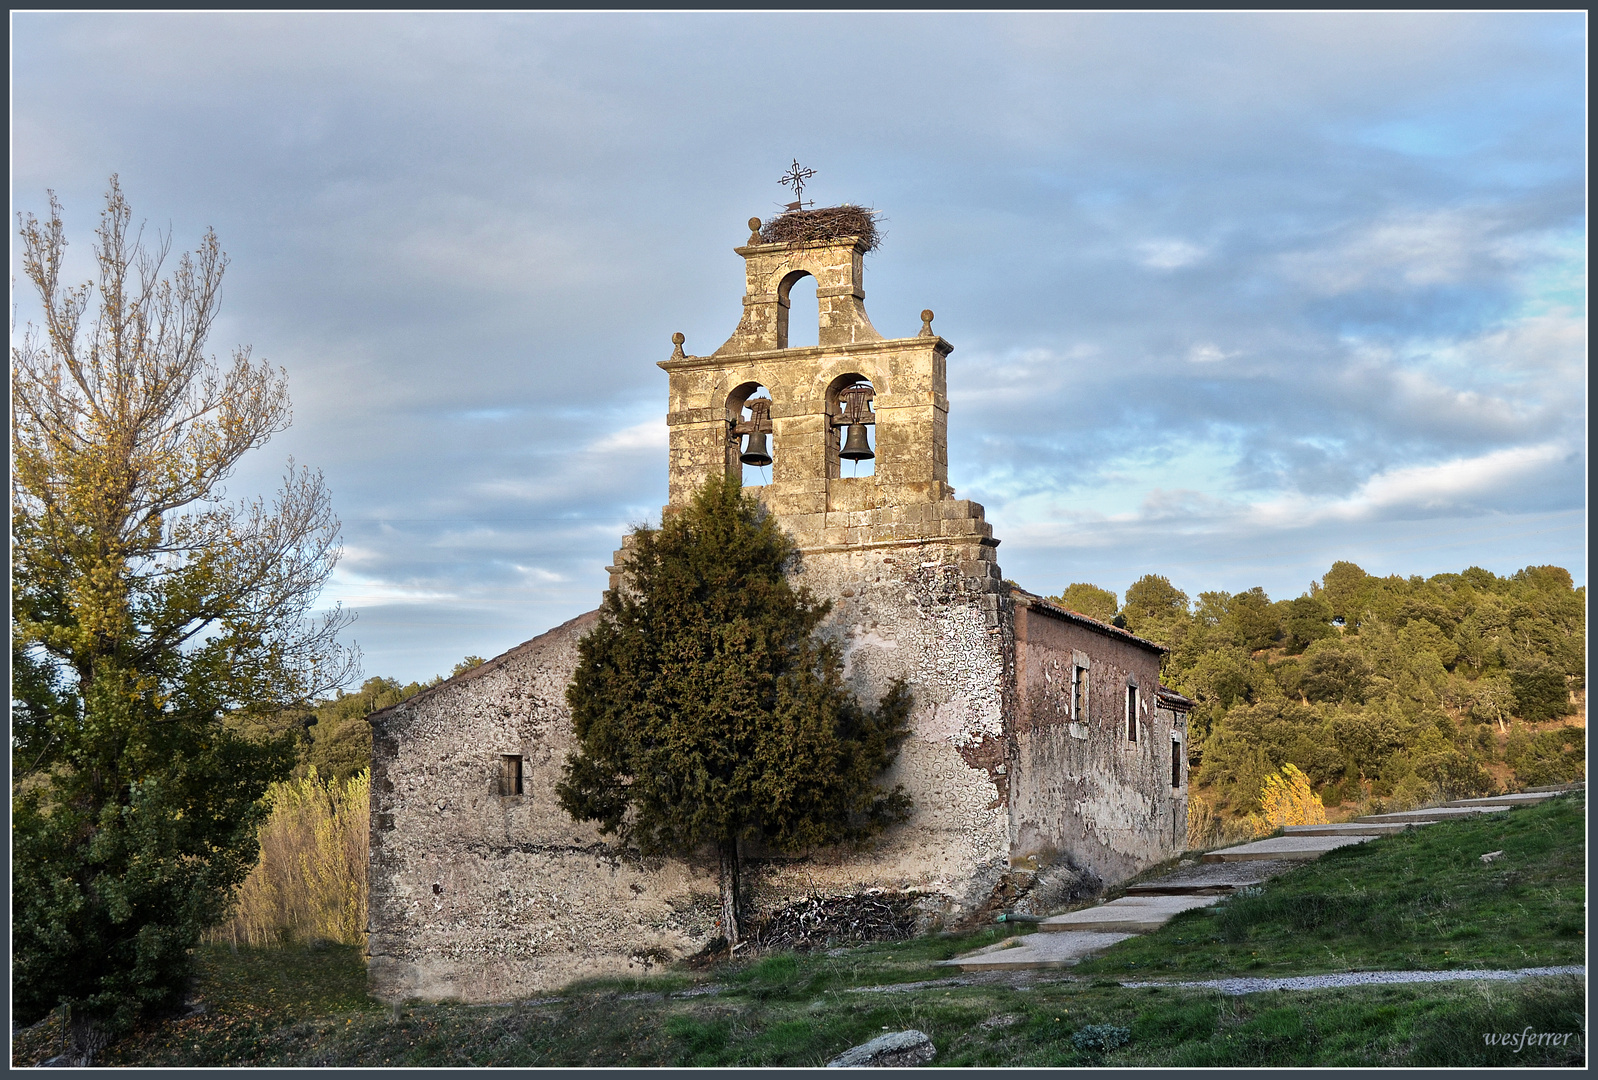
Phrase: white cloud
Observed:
(1440, 247)
(1446, 485)
(649, 435)
(1169, 254)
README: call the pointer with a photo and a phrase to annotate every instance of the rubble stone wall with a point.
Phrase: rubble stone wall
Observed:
(1082, 790)
(482, 896)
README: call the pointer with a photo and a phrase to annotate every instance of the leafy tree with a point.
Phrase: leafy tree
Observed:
(1347, 589)
(466, 665)
(1089, 600)
(1334, 671)
(145, 608)
(1540, 690)
(707, 711)
(1152, 597)
(1308, 620)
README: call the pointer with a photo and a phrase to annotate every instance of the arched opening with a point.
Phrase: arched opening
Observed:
(798, 312)
(852, 427)
(751, 442)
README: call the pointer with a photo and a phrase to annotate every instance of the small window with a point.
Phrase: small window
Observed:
(1131, 712)
(1079, 693)
(1176, 760)
(510, 774)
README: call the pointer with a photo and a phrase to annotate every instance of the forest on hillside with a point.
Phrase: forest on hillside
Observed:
(1387, 690)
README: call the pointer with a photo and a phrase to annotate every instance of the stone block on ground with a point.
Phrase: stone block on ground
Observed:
(1035, 951)
(1129, 914)
(897, 1049)
(1285, 847)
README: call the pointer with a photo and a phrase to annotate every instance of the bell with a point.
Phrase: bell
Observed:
(855, 447)
(756, 454)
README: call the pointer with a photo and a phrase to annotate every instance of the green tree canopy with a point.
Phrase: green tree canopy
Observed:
(1089, 600)
(707, 710)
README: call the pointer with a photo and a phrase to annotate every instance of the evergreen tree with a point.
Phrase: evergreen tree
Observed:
(708, 711)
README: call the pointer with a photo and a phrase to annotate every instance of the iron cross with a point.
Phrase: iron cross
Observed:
(795, 178)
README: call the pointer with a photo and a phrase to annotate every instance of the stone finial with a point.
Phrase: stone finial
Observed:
(926, 323)
(676, 340)
(754, 231)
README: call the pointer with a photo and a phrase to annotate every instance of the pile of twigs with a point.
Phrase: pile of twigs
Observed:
(818, 922)
(825, 223)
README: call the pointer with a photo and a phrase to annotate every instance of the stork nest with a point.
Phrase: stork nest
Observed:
(825, 223)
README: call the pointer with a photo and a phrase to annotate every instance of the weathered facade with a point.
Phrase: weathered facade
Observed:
(1045, 759)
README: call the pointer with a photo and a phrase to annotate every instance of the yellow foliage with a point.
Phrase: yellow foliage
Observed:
(1288, 799)
(310, 882)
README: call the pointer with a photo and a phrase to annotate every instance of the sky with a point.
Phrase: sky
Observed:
(1232, 296)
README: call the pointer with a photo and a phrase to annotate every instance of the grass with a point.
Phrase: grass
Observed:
(1420, 899)
(300, 1006)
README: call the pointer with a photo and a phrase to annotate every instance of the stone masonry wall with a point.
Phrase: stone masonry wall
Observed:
(1081, 789)
(487, 897)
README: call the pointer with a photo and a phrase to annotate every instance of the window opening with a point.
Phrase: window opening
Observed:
(1079, 693)
(1131, 712)
(753, 432)
(804, 314)
(510, 774)
(1176, 760)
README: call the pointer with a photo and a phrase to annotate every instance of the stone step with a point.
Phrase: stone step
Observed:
(1204, 879)
(1302, 848)
(1520, 798)
(1035, 951)
(1352, 828)
(1435, 813)
(1129, 914)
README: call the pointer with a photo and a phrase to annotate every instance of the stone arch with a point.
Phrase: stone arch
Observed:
(834, 435)
(738, 412)
(785, 304)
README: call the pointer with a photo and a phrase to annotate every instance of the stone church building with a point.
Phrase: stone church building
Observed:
(1046, 760)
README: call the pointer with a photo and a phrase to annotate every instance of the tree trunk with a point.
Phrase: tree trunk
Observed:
(89, 1038)
(728, 849)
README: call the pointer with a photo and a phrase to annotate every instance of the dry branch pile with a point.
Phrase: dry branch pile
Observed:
(826, 223)
(822, 921)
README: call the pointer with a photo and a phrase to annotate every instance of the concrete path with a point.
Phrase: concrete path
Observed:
(1207, 879)
(1352, 828)
(1300, 848)
(1434, 813)
(1367, 978)
(1035, 951)
(1129, 914)
(1522, 798)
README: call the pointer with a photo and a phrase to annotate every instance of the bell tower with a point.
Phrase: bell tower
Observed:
(854, 396)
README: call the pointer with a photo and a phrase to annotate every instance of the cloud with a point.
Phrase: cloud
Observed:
(1219, 284)
(1169, 254)
(1456, 485)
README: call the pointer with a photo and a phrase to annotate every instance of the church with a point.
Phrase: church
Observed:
(1046, 761)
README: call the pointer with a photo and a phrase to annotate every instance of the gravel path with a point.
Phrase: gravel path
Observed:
(1364, 978)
